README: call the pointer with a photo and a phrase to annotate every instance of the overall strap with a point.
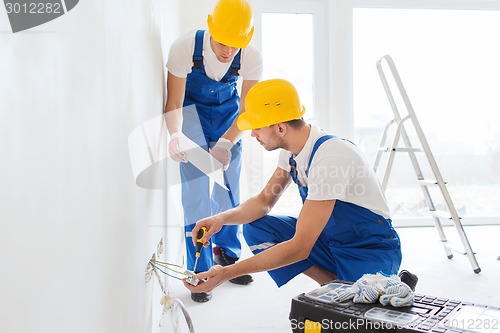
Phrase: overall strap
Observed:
(236, 64)
(293, 169)
(316, 146)
(293, 164)
(198, 50)
(233, 70)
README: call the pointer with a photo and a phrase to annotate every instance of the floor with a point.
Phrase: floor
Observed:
(262, 307)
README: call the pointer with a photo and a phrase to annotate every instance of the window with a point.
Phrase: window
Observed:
(446, 54)
(448, 62)
(287, 39)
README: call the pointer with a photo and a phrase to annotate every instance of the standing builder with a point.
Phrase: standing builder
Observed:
(204, 68)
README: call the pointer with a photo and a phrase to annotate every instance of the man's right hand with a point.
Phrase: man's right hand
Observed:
(212, 223)
(174, 150)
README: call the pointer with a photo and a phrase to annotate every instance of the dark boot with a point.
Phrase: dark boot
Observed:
(221, 258)
(409, 278)
(201, 297)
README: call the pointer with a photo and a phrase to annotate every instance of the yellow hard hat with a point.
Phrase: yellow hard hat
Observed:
(270, 102)
(231, 23)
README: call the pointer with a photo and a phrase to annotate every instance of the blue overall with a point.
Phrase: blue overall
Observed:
(354, 241)
(210, 108)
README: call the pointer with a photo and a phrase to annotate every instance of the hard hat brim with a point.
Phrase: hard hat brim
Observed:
(243, 122)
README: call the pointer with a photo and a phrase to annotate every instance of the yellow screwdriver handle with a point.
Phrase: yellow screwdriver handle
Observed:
(199, 242)
(201, 233)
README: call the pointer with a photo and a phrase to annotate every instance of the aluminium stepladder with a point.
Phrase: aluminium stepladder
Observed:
(400, 132)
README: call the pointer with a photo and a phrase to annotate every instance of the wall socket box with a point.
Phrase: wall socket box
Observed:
(155, 256)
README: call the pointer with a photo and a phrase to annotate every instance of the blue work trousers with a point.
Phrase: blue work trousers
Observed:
(346, 249)
(198, 203)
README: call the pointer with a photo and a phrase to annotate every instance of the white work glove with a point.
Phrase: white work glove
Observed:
(397, 294)
(371, 288)
(366, 289)
(222, 152)
(174, 150)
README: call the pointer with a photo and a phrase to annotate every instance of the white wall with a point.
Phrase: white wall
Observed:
(194, 14)
(75, 230)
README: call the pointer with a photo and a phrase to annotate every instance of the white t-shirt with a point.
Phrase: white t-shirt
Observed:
(338, 171)
(180, 59)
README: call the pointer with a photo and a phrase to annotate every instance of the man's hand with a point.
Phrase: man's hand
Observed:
(211, 279)
(213, 225)
(174, 150)
(222, 152)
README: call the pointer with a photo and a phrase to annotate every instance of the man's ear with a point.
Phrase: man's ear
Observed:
(281, 128)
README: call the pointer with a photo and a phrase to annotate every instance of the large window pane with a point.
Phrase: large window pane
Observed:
(448, 61)
(287, 50)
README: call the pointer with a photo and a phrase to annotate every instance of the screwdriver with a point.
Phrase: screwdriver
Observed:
(199, 245)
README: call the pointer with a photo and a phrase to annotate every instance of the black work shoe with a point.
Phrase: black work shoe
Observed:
(201, 297)
(409, 278)
(221, 258)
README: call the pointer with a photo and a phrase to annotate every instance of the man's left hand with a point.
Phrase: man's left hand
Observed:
(211, 279)
(222, 152)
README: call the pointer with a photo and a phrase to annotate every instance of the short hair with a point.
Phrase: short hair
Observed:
(296, 123)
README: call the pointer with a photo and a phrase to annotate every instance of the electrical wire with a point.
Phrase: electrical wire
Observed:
(166, 267)
(169, 264)
(159, 269)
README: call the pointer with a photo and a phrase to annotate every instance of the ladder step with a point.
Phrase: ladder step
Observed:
(454, 247)
(399, 149)
(441, 214)
(428, 182)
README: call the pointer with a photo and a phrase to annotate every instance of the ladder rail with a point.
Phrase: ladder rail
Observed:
(383, 140)
(394, 107)
(392, 153)
(401, 131)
